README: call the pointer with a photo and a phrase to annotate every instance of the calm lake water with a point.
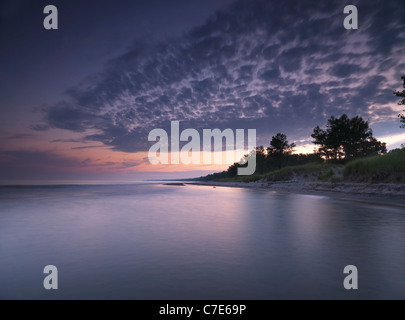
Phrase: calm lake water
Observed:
(152, 241)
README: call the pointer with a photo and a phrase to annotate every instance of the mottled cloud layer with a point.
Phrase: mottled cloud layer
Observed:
(271, 65)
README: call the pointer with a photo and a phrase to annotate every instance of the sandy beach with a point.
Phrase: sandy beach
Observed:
(381, 193)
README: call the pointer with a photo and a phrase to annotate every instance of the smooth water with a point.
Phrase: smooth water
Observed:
(153, 241)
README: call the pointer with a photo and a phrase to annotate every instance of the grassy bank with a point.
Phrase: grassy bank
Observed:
(307, 172)
(389, 168)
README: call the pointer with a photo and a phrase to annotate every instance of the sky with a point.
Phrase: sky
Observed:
(79, 102)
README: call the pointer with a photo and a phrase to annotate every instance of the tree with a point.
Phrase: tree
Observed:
(346, 138)
(260, 160)
(279, 145)
(401, 102)
(278, 151)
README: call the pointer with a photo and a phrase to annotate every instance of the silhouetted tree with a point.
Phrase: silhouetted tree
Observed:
(401, 102)
(260, 160)
(347, 138)
(278, 151)
(279, 145)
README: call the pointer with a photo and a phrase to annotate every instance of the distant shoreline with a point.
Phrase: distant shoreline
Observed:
(386, 193)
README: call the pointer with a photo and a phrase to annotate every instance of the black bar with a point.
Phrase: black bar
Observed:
(202, 309)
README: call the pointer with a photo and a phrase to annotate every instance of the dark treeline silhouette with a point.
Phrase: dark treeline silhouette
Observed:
(401, 94)
(343, 139)
(347, 139)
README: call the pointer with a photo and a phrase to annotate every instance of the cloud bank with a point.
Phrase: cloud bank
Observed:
(271, 65)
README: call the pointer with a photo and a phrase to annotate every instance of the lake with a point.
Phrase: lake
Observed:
(155, 241)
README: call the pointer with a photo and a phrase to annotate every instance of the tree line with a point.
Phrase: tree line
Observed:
(342, 140)
(401, 94)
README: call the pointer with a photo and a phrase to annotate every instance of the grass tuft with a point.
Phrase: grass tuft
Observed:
(388, 168)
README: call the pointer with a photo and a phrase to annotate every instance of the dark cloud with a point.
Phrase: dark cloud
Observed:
(40, 127)
(21, 136)
(274, 66)
(85, 147)
(24, 163)
(270, 75)
(345, 70)
(125, 165)
(31, 164)
(67, 140)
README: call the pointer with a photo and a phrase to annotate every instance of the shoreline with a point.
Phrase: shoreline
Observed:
(393, 194)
